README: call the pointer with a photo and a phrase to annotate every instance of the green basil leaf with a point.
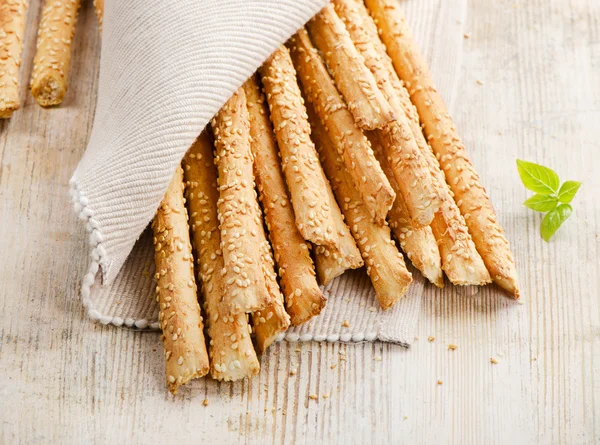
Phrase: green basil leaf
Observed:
(538, 178)
(568, 190)
(541, 203)
(554, 219)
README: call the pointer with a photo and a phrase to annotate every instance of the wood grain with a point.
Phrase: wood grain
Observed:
(66, 380)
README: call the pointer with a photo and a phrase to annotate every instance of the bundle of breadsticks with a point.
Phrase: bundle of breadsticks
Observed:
(338, 153)
(49, 79)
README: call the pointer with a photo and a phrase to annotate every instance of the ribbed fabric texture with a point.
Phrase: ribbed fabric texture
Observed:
(166, 69)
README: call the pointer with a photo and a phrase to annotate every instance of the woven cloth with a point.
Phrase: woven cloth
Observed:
(166, 69)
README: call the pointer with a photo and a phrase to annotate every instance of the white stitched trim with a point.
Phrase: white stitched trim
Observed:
(98, 256)
(333, 338)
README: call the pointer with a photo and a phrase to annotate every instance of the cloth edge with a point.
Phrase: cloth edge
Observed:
(98, 254)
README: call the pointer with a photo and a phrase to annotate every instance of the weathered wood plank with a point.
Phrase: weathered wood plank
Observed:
(66, 380)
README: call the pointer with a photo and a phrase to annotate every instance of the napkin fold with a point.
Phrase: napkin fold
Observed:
(166, 69)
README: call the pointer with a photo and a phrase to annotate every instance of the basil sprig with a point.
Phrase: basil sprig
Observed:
(550, 197)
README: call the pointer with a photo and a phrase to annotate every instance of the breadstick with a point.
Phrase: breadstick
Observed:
(244, 281)
(53, 54)
(385, 265)
(470, 196)
(273, 320)
(179, 316)
(352, 78)
(409, 169)
(12, 28)
(418, 243)
(460, 260)
(407, 164)
(99, 6)
(304, 298)
(300, 163)
(331, 263)
(230, 347)
(364, 170)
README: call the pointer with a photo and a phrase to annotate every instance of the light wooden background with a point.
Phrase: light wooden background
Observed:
(66, 380)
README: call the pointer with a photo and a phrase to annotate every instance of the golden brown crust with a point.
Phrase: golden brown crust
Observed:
(409, 169)
(470, 196)
(53, 54)
(352, 78)
(405, 160)
(273, 320)
(460, 260)
(331, 263)
(230, 349)
(245, 288)
(385, 265)
(179, 316)
(304, 298)
(12, 28)
(299, 160)
(365, 172)
(99, 7)
(418, 243)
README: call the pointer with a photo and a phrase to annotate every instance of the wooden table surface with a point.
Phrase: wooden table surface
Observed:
(64, 379)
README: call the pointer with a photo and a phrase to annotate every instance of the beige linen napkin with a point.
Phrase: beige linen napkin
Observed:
(166, 69)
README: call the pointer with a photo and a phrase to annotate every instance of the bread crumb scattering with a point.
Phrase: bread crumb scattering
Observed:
(452, 346)
(431, 338)
(493, 361)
